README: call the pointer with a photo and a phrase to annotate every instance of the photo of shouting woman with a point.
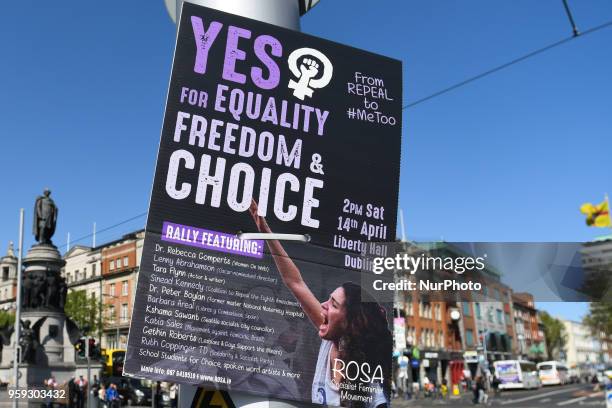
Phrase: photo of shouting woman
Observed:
(354, 363)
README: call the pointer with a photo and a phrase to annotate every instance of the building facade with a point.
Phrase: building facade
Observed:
(8, 279)
(582, 349)
(108, 273)
(446, 335)
(529, 330)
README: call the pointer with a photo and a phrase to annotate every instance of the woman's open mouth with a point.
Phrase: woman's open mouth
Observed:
(324, 325)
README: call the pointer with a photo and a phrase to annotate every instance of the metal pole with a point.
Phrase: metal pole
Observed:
(93, 244)
(18, 306)
(88, 390)
(402, 226)
(100, 311)
(284, 13)
(571, 19)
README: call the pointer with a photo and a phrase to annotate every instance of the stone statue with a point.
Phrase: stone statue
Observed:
(51, 297)
(29, 340)
(45, 218)
(44, 290)
(27, 343)
(27, 290)
(38, 291)
(63, 292)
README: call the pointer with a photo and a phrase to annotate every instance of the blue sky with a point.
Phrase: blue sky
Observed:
(507, 158)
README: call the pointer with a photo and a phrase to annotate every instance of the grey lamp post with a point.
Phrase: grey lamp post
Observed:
(284, 13)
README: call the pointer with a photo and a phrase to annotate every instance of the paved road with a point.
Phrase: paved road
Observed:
(568, 396)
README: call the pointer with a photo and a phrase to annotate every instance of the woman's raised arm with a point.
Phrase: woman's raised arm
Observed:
(290, 274)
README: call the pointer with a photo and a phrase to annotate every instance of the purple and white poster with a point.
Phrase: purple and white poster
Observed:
(272, 131)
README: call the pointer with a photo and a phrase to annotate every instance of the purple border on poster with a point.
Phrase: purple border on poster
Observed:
(213, 240)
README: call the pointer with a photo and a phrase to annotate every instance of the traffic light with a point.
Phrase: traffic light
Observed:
(80, 348)
(92, 347)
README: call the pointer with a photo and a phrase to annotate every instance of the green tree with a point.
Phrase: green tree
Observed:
(7, 318)
(555, 336)
(85, 311)
(599, 319)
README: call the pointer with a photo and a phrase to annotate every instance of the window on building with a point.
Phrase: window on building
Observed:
(438, 312)
(469, 337)
(111, 291)
(490, 314)
(497, 294)
(112, 314)
(410, 335)
(119, 263)
(467, 310)
(85, 273)
(77, 276)
(425, 310)
(112, 265)
(5, 273)
(125, 261)
(485, 291)
(508, 318)
(499, 317)
(124, 312)
(124, 288)
(478, 313)
(93, 270)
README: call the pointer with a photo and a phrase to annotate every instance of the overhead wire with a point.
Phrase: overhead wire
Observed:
(106, 228)
(507, 64)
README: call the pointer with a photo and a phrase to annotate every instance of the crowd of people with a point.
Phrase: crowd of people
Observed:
(479, 387)
(104, 393)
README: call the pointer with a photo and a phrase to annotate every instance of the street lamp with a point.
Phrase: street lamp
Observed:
(455, 316)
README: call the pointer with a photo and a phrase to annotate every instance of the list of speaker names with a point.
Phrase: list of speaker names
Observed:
(202, 314)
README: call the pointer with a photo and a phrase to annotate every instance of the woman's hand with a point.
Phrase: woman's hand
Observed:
(260, 222)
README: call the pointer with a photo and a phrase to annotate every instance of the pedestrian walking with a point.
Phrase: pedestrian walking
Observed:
(112, 396)
(81, 384)
(482, 392)
(102, 396)
(495, 384)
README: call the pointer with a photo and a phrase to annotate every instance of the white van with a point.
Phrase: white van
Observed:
(513, 374)
(553, 373)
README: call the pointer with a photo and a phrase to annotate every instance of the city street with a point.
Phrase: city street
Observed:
(573, 395)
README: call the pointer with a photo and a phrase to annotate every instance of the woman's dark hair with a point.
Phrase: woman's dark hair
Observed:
(367, 338)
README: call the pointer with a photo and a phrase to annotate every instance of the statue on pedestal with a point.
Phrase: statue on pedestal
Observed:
(45, 218)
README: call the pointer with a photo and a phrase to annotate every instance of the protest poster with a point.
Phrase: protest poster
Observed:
(269, 130)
